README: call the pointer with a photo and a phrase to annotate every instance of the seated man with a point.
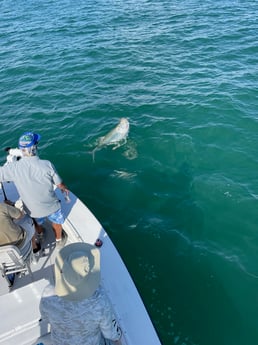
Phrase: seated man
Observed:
(77, 307)
(12, 233)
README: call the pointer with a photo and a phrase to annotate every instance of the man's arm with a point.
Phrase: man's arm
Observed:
(108, 325)
(63, 188)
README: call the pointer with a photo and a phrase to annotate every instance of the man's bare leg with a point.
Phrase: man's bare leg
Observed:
(57, 230)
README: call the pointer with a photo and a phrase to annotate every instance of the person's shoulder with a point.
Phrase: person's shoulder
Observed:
(27, 161)
(10, 167)
(3, 206)
(102, 297)
(43, 162)
(46, 161)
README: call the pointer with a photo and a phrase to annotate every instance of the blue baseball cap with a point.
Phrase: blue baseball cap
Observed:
(28, 139)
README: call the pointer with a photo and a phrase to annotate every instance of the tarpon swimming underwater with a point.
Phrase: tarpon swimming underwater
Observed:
(116, 136)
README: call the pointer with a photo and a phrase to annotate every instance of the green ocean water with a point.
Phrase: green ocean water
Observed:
(179, 199)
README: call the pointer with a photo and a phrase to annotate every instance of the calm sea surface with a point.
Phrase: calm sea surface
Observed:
(180, 198)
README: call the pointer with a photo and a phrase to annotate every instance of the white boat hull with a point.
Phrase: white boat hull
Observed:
(20, 307)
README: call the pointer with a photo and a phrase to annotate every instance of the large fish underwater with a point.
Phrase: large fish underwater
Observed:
(117, 136)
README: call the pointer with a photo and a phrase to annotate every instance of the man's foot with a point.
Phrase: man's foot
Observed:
(62, 241)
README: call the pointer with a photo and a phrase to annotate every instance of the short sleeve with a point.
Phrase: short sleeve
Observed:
(109, 325)
(56, 178)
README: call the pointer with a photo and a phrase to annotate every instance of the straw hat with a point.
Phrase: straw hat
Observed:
(77, 271)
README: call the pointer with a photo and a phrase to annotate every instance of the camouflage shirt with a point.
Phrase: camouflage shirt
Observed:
(79, 322)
